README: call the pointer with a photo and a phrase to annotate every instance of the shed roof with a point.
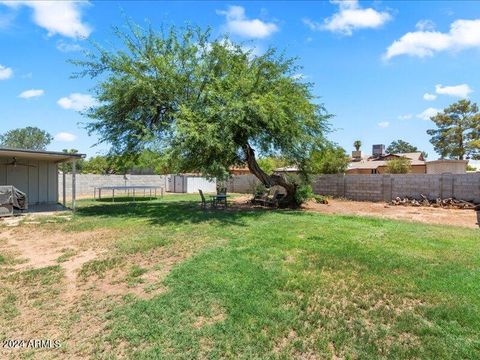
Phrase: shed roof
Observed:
(55, 156)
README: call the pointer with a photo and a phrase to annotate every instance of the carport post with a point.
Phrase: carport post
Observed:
(64, 177)
(74, 184)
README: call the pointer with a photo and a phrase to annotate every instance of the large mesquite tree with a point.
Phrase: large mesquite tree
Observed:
(209, 103)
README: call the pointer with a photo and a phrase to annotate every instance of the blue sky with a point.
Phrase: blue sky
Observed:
(381, 67)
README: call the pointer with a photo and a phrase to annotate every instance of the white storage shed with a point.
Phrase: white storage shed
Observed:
(190, 184)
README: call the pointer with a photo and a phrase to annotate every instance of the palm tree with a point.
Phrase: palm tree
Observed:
(357, 144)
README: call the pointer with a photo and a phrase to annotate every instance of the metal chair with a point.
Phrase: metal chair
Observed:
(204, 201)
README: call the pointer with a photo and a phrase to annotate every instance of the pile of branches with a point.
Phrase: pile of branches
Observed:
(448, 203)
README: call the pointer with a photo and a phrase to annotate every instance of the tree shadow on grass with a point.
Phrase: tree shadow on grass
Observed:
(171, 212)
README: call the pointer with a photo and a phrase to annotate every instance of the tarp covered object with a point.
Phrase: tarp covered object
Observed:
(10, 195)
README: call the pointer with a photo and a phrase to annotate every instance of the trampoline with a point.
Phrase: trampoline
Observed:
(134, 190)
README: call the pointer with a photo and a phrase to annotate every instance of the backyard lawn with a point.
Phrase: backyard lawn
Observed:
(165, 279)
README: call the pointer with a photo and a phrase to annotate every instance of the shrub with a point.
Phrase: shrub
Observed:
(304, 193)
(398, 166)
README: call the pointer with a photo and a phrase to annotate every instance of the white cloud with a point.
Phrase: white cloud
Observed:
(463, 34)
(67, 47)
(350, 17)
(428, 113)
(57, 17)
(27, 94)
(425, 25)
(77, 102)
(65, 136)
(405, 117)
(429, 97)
(5, 72)
(239, 24)
(460, 91)
(384, 124)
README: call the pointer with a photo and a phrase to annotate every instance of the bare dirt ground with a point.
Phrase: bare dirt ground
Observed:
(76, 302)
(429, 215)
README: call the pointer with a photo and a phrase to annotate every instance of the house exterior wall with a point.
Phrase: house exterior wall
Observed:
(447, 166)
(415, 169)
(39, 181)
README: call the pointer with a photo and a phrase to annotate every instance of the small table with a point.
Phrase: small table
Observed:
(219, 198)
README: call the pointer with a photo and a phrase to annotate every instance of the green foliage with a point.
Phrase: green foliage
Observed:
(259, 188)
(146, 162)
(331, 160)
(66, 167)
(101, 165)
(458, 131)
(357, 145)
(400, 147)
(400, 165)
(31, 138)
(321, 199)
(471, 168)
(304, 193)
(270, 163)
(206, 100)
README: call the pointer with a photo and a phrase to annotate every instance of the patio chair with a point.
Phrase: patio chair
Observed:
(205, 202)
(275, 200)
(260, 197)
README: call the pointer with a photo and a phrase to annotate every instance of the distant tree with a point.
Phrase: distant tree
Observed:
(357, 145)
(458, 131)
(213, 103)
(146, 161)
(400, 147)
(270, 163)
(331, 160)
(101, 165)
(67, 166)
(401, 165)
(30, 138)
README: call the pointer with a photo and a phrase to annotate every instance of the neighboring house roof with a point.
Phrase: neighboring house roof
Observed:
(239, 169)
(416, 158)
(287, 169)
(39, 155)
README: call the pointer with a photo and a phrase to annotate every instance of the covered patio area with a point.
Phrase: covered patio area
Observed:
(35, 173)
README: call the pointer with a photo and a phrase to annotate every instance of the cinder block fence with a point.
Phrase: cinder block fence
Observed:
(377, 187)
(87, 182)
(374, 187)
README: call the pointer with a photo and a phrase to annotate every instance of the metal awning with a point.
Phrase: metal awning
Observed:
(55, 156)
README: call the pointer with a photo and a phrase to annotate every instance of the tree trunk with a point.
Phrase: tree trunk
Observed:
(270, 180)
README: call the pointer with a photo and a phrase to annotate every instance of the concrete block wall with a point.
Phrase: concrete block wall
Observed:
(377, 187)
(87, 182)
(242, 184)
(467, 187)
(371, 187)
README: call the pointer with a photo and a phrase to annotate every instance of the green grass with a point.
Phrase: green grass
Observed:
(286, 284)
(100, 267)
(67, 254)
